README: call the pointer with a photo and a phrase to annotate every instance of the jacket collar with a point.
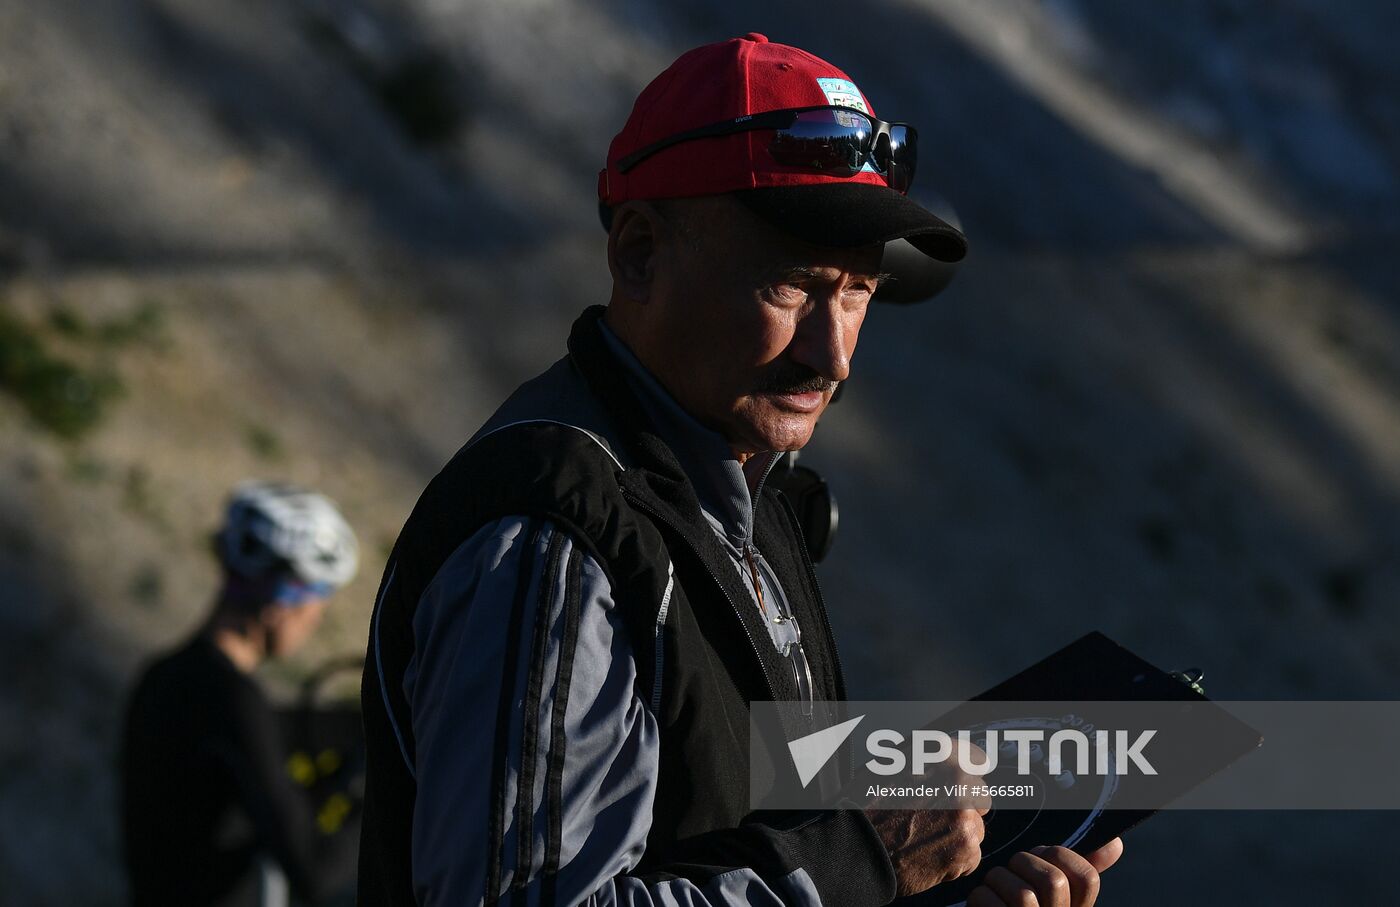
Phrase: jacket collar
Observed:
(663, 443)
(609, 383)
(656, 480)
(720, 481)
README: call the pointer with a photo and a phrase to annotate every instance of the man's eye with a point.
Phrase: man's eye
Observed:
(789, 291)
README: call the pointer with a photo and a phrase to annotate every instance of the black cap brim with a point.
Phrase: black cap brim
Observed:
(846, 215)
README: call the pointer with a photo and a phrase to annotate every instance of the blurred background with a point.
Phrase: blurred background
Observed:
(320, 240)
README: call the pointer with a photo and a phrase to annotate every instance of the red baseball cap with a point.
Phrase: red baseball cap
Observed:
(742, 77)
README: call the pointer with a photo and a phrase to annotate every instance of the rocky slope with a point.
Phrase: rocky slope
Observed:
(322, 240)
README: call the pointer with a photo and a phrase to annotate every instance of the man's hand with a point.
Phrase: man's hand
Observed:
(1047, 877)
(929, 847)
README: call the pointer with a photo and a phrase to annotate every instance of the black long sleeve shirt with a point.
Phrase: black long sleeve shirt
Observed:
(206, 793)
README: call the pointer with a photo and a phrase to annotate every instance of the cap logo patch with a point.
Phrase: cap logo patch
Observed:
(842, 93)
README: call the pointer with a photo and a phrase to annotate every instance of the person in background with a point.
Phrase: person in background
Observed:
(210, 814)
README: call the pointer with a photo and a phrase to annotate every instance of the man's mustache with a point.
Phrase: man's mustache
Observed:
(791, 378)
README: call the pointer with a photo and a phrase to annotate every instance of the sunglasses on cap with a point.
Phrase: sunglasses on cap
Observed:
(838, 141)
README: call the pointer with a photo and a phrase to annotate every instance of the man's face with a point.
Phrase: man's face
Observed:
(289, 628)
(749, 329)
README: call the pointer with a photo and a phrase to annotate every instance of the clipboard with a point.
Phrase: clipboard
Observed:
(1093, 668)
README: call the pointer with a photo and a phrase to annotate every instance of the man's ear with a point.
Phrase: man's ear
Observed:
(632, 249)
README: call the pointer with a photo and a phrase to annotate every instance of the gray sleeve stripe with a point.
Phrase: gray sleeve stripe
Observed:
(524, 799)
(660, 637)
(735, 887)
(379, 666)
(557, 742)
(494, 855)
(595, 752)
(597, 438)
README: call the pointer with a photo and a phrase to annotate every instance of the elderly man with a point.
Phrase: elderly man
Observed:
(586, 599)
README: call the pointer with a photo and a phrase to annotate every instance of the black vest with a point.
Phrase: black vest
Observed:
(572, 446)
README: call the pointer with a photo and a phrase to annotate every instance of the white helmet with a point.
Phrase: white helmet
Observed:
(271, 524)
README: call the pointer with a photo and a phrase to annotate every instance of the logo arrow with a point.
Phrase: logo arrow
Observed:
(812, 752)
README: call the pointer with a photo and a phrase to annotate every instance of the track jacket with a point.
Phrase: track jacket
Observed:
(561, 658)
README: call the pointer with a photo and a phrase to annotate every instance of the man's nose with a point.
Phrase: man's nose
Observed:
(820, 341)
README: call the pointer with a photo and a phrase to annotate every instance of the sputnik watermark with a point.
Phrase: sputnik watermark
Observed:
(1052, 755)
(1112, 752)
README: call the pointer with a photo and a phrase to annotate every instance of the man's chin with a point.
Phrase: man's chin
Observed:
(780, 429)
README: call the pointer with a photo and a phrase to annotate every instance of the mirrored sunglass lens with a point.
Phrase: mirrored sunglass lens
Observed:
(904, 148)
(832, 141)
(881, 154)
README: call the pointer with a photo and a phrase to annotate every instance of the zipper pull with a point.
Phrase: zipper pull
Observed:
(757, 583)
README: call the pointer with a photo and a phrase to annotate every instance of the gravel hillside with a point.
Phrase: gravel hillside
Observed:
(321, 240)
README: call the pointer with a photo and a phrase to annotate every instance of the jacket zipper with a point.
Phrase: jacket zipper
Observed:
(821, 600)
(806, 692)
(801, 667)
(762, 667)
